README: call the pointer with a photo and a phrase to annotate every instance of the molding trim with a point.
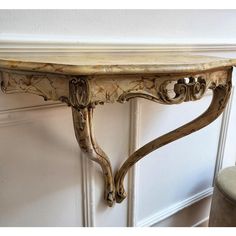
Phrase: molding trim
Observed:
(33, 108)
(169, 211)
(201, 222)
(133, 173)
(17, 116)
(88, 193)
(29, 43)
(223, 136)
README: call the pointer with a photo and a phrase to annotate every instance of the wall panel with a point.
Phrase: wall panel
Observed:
(40, 169)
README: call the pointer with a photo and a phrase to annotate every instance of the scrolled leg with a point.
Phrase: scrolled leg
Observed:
(82, 111)
(220, 98)
(82, 119)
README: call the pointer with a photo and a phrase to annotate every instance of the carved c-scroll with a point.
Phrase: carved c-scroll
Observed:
(184, 90)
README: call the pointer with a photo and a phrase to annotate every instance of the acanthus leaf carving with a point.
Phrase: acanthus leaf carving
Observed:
(79, 92)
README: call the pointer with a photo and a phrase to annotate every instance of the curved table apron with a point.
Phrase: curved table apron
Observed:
(94, 79)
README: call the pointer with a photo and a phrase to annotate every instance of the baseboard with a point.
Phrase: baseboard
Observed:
(34, 107)
(195, 215)
(160, 216)
(202, 223)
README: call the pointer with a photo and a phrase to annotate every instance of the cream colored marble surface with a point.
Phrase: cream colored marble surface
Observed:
(111, 63)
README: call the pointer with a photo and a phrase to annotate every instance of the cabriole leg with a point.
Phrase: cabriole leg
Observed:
(220, 98)
(82, 119)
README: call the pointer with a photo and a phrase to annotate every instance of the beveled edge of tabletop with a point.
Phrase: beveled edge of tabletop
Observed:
(68, 69)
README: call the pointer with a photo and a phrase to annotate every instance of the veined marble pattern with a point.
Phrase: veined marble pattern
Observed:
(90, 63)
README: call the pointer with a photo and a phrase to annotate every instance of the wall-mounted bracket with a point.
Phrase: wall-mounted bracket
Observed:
(166, 80)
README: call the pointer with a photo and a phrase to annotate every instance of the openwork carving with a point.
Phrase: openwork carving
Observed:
(162, 89)
(83, 93)
(185, 90)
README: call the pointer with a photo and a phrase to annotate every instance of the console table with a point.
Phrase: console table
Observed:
(85, 80)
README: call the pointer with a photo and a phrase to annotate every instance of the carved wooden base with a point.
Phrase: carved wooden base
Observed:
(83, 93)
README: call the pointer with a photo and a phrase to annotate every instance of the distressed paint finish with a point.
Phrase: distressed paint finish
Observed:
(85, 136)
(106, 78)
(48, 86)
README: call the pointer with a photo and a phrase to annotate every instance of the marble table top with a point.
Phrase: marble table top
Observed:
(89, 63)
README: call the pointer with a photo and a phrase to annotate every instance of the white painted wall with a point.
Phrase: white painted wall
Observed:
(124, 26)
(44, 178)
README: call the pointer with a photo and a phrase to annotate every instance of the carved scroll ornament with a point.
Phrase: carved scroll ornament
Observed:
(83, 93)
